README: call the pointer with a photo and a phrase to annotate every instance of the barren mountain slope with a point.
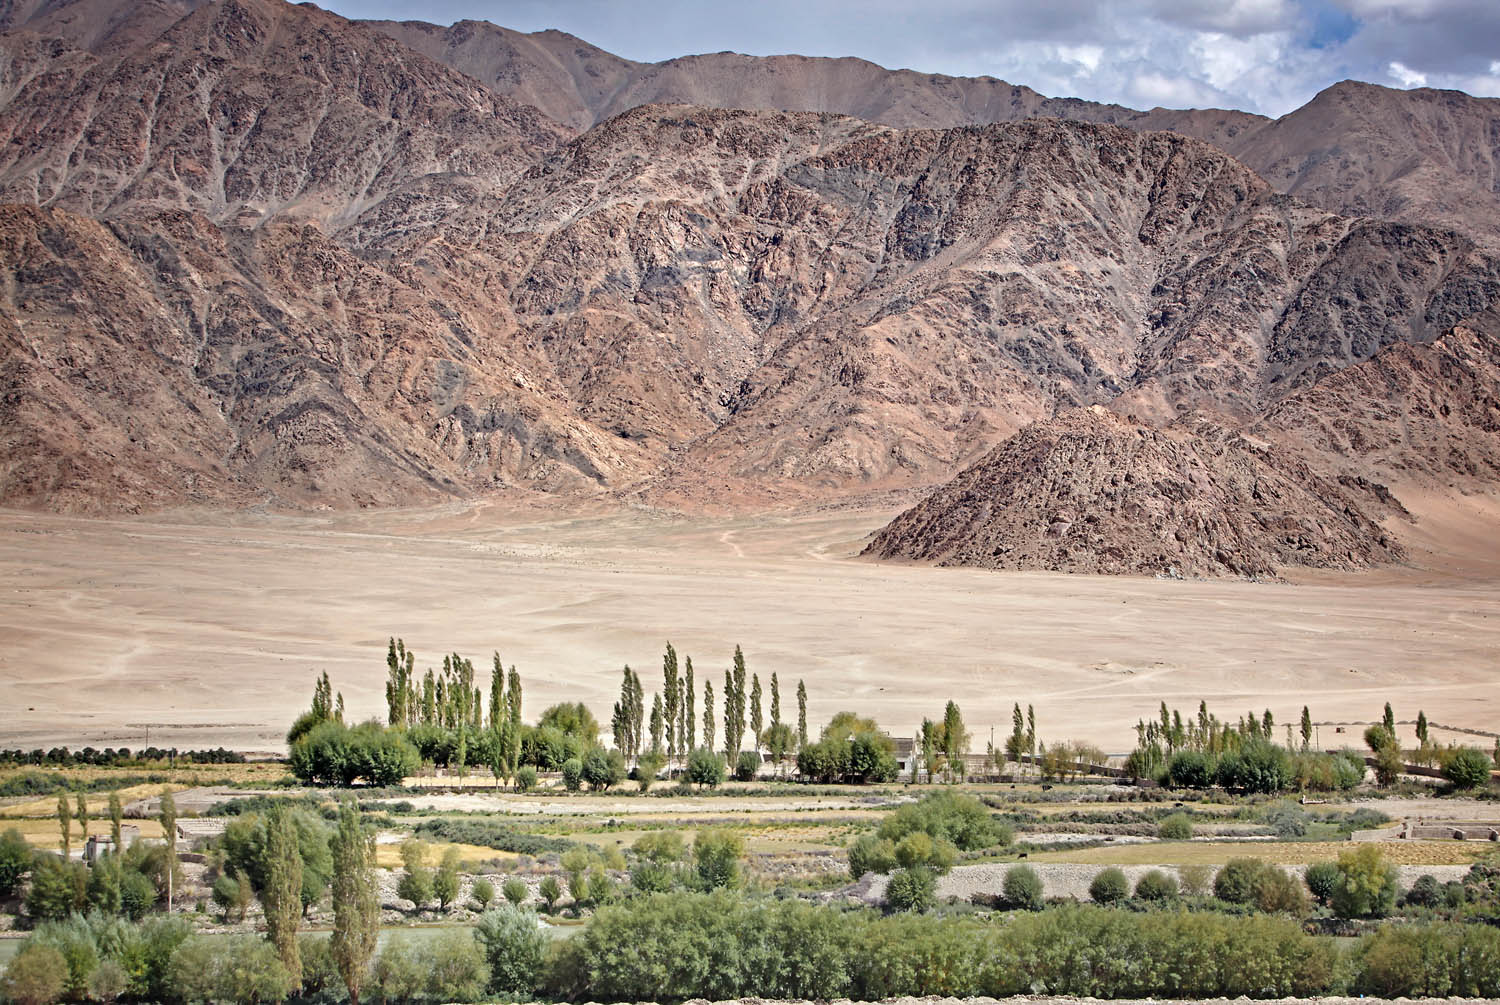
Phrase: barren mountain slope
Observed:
(1092, 492)
(252, 106)
(99, 26)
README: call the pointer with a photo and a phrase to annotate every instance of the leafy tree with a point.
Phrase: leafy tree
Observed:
(74, 939)
(15, 861)
(58, 888)
(104, 885)
(705, 768)
(137, 894)
(224, 893)
(602, 769)
(573, 719)
(658, 724)
(229, 969)
(950, 816)
(515, 948)
(515, 891)
(1022, 888)
(716, 856)
(955, 742)
(1388, 759)
(1422, 729)
(779, 740)
(445, 882)
(871, 853)
(1467, 768)
(648, 767)
(550, 891)
(416, 880)
(912, 889)
(1366, 885)
(747, 766)
(281, 896)
(1388, 720)
(671, 701)
(483, 892)
(572, 772)
(525, 778)
(1109, 885)
(81, 805)
(1322, 879)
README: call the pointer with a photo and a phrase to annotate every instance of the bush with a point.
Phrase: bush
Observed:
(137, 894)
(321, 981)
(572, 773)
(716, 855)
(1237, 881)
(550, 890)
(483, 893)
(1177, 827)
(1429, 961)
(961, 820)
(1268, 887)
(653, 877)
(525, 778)
(58, 888)
(1288, 820)
(705, 768)
(36, 976)
(918, 849)
(912, 889)
(603, 768)
(1156, 886)
(1425, 892)
(514, 948)
(490, 834)
(1467, 768)
(1366, 885)
(1321, 879)
(1109, 885)
(108, 982)
(515, 891)
(1189, 769)
(447, 968)
(660, 846)
(241, 969)
(15, 861)
(75, 941)
(870, 853)
(1022, 888)
(746, 766)
(1257, 766)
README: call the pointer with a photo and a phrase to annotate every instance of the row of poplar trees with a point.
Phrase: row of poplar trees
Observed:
(450, 700)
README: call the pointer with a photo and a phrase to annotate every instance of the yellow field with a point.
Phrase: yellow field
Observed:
(44, 834)
(253, 772)
(388, 856)
(1282, 853)
(46, 806)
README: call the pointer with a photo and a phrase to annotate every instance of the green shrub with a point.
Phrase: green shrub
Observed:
(1467, 768)
(950, 816)
(1257, 766)
(716, 857)
(58, 888)
(912, 889)
(489, 834)
(1429, 961)
(871, 853)
(1189, 769)
(1109, 885)
(1425, 892)
(137, 894)
(1321, 879)
(36, 976)
(1177, 827)
(572, 773)
(525, 778)
(75, 941)
(483, 893)
(1237, 881)
(216, 969)
(1288, 820)
(321, 981)
(1366, 884)
(1156, 886)
(515, 891)
(1022, 888)
(514, 948)
(550, 890)
(660, 846)
(747, 765)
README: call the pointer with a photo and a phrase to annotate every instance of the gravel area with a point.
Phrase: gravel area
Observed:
(1069, 880)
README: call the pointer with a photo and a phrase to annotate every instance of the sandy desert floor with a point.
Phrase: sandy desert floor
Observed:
(203, 630)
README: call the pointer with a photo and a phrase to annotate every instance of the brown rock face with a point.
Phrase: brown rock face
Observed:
(1091, 492)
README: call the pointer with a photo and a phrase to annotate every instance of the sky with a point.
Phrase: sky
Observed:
(1267, 56)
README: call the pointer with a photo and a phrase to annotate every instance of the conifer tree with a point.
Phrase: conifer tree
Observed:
(356, 900)
(281, 894)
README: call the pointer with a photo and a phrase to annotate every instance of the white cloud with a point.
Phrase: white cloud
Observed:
(1406, 76)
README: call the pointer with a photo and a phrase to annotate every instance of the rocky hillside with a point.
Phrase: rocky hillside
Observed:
(268, 255)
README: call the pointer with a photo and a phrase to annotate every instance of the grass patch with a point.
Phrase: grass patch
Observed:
(1280, 852)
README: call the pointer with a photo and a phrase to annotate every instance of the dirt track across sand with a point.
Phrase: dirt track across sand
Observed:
(208, 630)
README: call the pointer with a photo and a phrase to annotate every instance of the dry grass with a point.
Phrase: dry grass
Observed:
(251, 772)
(388, 856)
(1280, 852)
(45, 834)
(46, 806)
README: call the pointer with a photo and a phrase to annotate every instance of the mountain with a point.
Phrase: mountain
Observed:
(270, 255)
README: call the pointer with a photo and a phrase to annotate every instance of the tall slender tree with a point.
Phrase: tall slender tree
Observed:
(82, 806)
(116, 820)
(356, 900)
(708, 714)
(775, 700)
(497, 692)
(955, 742)
(671, 698)
(757, 721)
(689, 723)
(513, 723)
(731, 748)
(281, 893)
(801, 714)
(657, 726)
(1307, 727)
(169, 833)
(740, 682)
(1389, 720)
(65, 823)
(1422, 727)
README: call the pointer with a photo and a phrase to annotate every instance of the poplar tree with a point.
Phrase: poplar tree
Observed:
(739, 705)
(1422, 727)
(801, 714)
(356, 900)
(1389, 720)
(513, 727)
(82, 807)
(757, 722)
(955, 742)
(671, 697)
(689, 727)
(169, 831)
(497, 693)
(708, 715)
(1031, 730)
(1307, 727)
(65, 822)
(281, 894)
(429, 699)
(775, 701)
(116, 818)
(657, 725)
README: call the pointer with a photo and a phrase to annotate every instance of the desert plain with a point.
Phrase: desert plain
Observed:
(202, 629)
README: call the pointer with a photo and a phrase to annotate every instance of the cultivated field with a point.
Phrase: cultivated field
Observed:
(207, 630)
